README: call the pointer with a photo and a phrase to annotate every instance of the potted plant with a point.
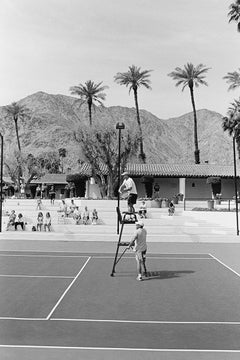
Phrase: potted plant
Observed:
(175, 199)
(165, 202)
(180, 196)
(156, 202)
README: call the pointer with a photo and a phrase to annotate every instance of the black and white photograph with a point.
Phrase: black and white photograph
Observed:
(119, 180)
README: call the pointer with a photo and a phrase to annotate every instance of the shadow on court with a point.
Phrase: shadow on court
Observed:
(161, 275)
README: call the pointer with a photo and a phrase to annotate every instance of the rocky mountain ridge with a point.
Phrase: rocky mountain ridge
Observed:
(55, 117)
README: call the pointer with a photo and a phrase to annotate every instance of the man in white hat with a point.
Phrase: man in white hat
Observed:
(139, 240)
(128, 187)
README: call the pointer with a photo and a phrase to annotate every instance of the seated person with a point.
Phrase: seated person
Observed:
(11, 220)
(94, 217)
(40, 221)
(85, 216)
(171, 208)
(63, 208)
(72, 207)
(143, 210)
(77, 215)
(19, 221)
(47, 222)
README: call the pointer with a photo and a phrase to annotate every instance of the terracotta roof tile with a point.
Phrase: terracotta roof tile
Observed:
(51, 179)
(181, 170)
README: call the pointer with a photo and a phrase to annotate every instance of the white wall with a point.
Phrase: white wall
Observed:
(198, 188)
(168, 187)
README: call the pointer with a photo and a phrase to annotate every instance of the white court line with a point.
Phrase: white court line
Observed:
(126, 321)
(21, 318)
(228, 267)
(54, 308)
(117, 349)
(38, 276)
(150, 321)
(111, 257)
(37, 255)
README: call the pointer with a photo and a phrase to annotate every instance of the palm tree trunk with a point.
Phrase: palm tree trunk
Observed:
(16, 129)
(142, 154)
(90, 112)
(196, 152)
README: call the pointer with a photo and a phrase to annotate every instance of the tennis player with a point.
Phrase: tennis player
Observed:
(128, 187)
(140, 247)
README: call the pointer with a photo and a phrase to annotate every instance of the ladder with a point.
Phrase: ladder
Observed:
(123, 220)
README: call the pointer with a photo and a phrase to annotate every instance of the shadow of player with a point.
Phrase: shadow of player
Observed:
(165, 274)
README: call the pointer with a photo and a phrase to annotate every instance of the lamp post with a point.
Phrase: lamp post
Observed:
(235, 178)
(1, 182)
(119, 127)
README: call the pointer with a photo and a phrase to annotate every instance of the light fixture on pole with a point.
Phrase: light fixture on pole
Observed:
(119, 127)
(235, 175)
(1, 183)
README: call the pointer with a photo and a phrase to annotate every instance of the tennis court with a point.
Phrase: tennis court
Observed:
(67, 306)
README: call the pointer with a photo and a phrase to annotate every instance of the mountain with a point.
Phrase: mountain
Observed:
(55, 117)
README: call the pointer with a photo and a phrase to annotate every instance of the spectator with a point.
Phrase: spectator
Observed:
(38, 191)
(94, 217)
(39, 204)
(19, 221)
(85, 216)
(40, 221)
(11, 220)
(72, 207)
(171, 209)
(43, 191)
(22, 190)
(47, 222)
(77, 215)
(63, 208)
(52, 195)
(143, 210)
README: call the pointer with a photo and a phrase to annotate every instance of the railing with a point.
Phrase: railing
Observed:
(209, 204)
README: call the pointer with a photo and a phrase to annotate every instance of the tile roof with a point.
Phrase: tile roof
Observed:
(86, 169)
(51, 179)
(160, 170)
(181, 170)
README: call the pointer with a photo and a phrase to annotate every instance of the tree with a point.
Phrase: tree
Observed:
(90, 93)
(234, 13)
(191, 76)
(62, 154)
(17, 112)
(231, 122)
(233, 78)
(134, 78)
(100, 147)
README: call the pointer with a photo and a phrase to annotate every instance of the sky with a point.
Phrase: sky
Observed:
(51, 45)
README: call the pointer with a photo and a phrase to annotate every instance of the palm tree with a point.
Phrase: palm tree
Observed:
(233, 78)
(62, 154)
(90, 93)
(134, 78)
(17, 112)
(232, 121)
(191, 76)
(234, 13)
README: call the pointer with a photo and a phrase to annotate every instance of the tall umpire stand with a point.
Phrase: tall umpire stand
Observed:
(125, 218)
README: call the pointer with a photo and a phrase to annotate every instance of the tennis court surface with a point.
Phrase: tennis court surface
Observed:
(53, 303)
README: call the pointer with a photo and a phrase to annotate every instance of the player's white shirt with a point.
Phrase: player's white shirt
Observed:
(140, 238)
(129, 183)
